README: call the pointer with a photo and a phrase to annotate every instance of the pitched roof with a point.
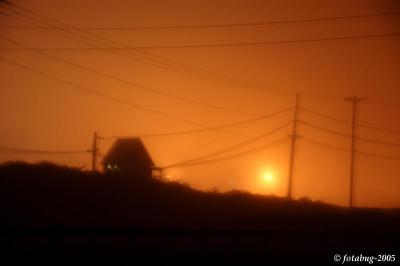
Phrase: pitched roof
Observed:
(128, 146)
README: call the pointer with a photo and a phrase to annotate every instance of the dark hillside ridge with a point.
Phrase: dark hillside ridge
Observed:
(47, 200)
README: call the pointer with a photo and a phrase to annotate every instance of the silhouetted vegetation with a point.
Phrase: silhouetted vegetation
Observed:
(45, 199)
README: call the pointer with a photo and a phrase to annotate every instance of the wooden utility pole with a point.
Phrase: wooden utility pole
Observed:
(293, 137)
(354, 101)
(94, 151)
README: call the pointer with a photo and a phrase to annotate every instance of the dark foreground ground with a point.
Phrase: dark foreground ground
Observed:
(58, 215)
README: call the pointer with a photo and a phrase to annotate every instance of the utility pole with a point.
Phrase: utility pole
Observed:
(94, 151)
(354, 101)
(293, 137)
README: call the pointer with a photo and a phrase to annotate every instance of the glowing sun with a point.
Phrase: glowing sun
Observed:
(268, 177)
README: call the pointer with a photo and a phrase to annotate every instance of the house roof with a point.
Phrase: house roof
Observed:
(127, 146)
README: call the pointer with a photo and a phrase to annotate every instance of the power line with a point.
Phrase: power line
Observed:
(214, 45)
(240, 154)
(379, 128)
(187, 67)
(361, 125)
(349, 136)
(149, 58)
(90, 41)
(378, 155)
(324, 115)
(4, 149)
(133, 84)
(234, 147)
(205, 26)
(325, 145)
(329, 146)
(94, 92)
(378, 141)
(324, 129)
(178, 133)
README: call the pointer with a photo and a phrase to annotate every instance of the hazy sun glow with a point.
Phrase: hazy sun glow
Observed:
(268, 177)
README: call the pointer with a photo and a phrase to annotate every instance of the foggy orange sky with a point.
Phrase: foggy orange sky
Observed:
(39, 112)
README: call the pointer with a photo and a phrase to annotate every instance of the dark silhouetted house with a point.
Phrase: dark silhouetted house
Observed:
(128, 156)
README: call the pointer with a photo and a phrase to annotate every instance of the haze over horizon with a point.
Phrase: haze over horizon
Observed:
(323, 50)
